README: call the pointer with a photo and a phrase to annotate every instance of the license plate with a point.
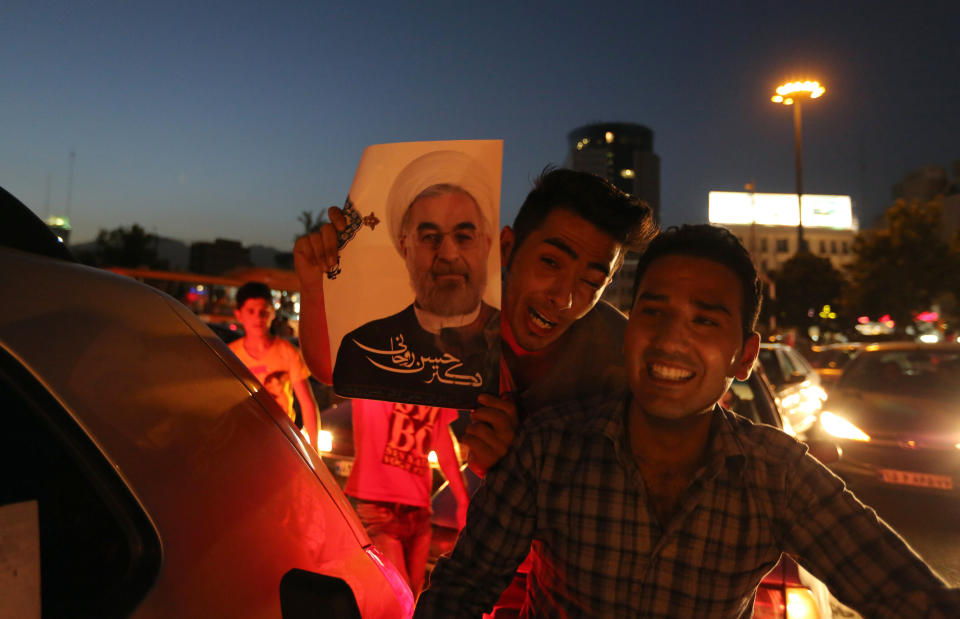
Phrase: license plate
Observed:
(343, 467)
(923, 480)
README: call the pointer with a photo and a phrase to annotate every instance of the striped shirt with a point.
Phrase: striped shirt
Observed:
(571, 486)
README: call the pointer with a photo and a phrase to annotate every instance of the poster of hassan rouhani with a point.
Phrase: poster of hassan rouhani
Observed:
(414, 311)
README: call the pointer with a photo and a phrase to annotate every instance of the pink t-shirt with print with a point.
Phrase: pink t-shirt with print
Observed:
(391, 442)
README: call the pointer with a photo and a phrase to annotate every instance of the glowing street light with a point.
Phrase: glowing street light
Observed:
(792, 93)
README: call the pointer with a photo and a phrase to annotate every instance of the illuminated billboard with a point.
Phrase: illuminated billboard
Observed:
(780, 209)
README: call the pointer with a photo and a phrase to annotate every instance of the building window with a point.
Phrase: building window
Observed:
(833, 247)
(783, 246)
(823, 247)
(763, 245)
(845, 248)
(608, 136)
(763, 266)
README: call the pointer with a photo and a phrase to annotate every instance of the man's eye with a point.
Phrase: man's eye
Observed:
(592, 284)
(650, 311)
(431, 238)
(464, 238)
(703, 320)
(550, 262)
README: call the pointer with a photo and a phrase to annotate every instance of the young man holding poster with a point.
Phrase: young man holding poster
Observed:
(559, 340)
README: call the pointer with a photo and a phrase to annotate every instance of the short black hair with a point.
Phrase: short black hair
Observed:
(718, 245)
(253, 290)
(628, 220)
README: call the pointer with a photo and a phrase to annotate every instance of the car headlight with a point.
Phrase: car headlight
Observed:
(801, 604)
(835, 425)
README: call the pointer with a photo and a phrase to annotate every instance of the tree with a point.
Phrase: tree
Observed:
(804, 284)
(902, 268)
(309, 223)
(125, 247)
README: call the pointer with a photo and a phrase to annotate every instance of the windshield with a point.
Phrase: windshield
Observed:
(915, 373)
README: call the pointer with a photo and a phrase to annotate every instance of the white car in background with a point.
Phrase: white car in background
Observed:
(796, 385)
(145, 471)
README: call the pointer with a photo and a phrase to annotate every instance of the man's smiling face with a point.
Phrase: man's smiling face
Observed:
(555, 276)
(684, 343)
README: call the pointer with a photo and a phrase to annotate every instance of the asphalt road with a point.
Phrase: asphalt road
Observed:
(929, 523)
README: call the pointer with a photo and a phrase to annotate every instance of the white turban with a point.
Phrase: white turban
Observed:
(440, 167)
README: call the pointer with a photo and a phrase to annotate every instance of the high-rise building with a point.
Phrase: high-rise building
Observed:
(623, 154)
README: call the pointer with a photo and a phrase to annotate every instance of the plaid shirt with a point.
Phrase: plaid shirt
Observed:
(571, 486)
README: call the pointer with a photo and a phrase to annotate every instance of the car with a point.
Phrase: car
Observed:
(795, 383)
(828, 360)
(787, 592)
(893, 413)
(146, 472)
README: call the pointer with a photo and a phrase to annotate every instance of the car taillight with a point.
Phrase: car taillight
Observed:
(799, 604)
(397, 582)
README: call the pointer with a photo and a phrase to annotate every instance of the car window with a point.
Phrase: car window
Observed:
(787, 363)
(752, 400)
(799, 363)
(914, 373)
(98, 552)
(768, 358)
(740, 399)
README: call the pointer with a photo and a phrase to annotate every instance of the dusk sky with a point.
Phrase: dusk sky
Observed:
(200, 120)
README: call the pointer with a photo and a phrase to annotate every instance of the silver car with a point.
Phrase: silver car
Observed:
(795, 383)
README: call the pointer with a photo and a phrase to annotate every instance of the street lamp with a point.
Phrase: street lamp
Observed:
(791, 93)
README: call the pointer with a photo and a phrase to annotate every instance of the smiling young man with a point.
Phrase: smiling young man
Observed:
(560, 341)
(659, 503)
(275, 362)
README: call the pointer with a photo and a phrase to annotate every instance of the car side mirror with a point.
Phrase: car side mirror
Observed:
(825, 451)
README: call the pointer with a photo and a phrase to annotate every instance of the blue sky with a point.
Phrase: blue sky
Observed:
(227, 119)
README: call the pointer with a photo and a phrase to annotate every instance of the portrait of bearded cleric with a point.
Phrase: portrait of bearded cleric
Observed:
(429, 332)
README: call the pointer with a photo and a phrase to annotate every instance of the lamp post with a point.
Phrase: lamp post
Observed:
(791, 93)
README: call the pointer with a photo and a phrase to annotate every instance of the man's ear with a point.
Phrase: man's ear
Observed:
(236, 314)
(506, 245)
(751, 348)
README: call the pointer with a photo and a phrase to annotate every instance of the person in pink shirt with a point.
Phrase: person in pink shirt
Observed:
(391, 480)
